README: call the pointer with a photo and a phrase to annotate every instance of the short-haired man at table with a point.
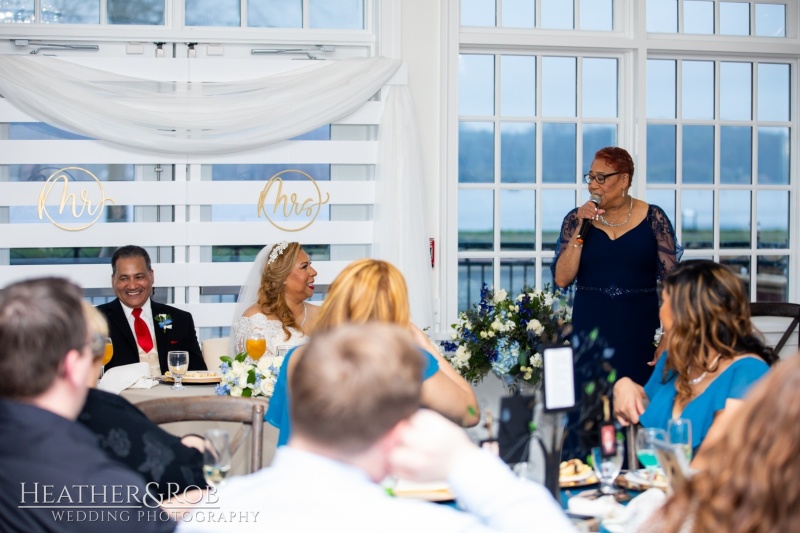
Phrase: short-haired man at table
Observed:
(356, 420)
(141, 329)
(53, 476)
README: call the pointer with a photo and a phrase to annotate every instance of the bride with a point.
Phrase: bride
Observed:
(272, 301)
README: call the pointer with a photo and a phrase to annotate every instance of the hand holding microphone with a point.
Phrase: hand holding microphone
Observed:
(587, 222)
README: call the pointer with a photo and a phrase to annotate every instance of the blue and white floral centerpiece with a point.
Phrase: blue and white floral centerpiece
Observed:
(505, 335)
(242, 376)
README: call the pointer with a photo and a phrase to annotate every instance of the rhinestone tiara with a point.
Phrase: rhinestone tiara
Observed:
(276, 252)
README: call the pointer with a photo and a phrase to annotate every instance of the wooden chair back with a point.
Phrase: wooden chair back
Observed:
(247, 411)
(779, 309)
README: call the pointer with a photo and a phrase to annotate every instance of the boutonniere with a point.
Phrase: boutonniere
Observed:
(164, 321)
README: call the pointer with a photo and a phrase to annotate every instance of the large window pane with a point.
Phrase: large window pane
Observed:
(557, 15)
(599, 88)
(661, 88)
(517, 219)
(65, 11)
(735, 154)
(740, 264)
(772, 278)
(661, 153)
(144, 12)
(558, 153)
(559, 88)
(275, 14)
(336, 14)
(475, 219)
(773, 219)
(662, 16)
(773, 91)
(698, 17)
(555, 206)
(213, 13)
(517, 273)
(476, 85)
(517, 152)
(697, 218)
(472, 274)
(734, 219)
(597, 15)
(518, 86)
(770, 20)
(596, 136)
(519, 14)
(697, 91)
(698, 154)
(734, 18)
(773, 156)
(735, 88)
(477, 12)
(665, 200)
(476, 152)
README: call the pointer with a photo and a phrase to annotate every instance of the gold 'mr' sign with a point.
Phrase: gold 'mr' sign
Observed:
(272, 198)
(76, 195)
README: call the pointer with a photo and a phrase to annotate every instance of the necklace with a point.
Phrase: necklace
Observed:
(305, 314)
(702, 376)
(605, 222)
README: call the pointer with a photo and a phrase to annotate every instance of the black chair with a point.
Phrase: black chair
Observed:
(779, 309)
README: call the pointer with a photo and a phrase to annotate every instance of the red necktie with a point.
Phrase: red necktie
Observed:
(142, 333)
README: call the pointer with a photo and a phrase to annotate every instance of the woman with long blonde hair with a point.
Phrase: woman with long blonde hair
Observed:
(370, 290)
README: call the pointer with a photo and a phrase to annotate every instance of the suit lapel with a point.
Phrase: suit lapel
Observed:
(162, 342)
(121, 321)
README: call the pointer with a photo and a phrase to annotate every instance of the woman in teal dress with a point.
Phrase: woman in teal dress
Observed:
(372, 290)
(713, 355)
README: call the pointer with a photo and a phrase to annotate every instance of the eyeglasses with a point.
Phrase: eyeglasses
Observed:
(599, 178)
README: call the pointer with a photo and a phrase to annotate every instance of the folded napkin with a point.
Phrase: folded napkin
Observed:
(134, 376)
(598, 507)
(638, 511)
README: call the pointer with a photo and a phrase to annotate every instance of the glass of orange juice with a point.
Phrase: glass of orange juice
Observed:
(108, 354)
(256, 345)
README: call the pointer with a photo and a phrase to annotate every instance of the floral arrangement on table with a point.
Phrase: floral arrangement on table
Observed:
(242, 376)
(505, 334)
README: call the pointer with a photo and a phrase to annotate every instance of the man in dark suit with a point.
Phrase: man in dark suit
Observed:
(141, 329)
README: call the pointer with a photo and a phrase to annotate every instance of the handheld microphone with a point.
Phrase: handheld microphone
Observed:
(587, 222)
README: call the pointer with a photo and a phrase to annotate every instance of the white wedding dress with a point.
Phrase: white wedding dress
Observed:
(271, 329)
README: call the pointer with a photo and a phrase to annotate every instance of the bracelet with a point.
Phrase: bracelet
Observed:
(576, 245)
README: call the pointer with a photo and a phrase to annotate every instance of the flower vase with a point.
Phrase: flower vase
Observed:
(516, 386)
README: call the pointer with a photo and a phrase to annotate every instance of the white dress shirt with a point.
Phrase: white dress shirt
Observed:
(306, 492)
(151, 357)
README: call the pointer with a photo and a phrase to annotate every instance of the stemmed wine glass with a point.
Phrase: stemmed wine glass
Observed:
(607, 467)
(216, 457)
(646, 451)
(107, 355)
(680, 434)
(178, 363)
(255, 345)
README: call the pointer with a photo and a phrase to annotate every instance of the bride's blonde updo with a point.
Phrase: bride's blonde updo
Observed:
(271, 298)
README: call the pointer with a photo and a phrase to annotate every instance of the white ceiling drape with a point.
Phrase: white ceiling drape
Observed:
(190, 118)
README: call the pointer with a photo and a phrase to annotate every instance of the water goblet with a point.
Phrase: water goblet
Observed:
(679, 431)
(216, 457)
(255, 345)
(107, 355)
(646, 450)
(178, 363)
(607, 467)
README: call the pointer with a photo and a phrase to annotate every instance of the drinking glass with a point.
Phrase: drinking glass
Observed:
(178, 363)
(255, 345)
(216, 457)
(607, 468)
(283, 349)
(107, 355)
(679, 431)
(646, 451)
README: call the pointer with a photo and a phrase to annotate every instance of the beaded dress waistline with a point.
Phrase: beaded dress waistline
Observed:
(613, 291)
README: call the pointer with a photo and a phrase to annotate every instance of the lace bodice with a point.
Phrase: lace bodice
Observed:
(271, 329)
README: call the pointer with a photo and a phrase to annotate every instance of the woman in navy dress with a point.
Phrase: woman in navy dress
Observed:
(628, 248)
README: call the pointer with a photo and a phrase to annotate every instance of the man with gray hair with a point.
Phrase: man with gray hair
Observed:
(356, 420)
(53, 476)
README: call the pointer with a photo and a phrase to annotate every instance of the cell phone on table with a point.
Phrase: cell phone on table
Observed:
(559, 378)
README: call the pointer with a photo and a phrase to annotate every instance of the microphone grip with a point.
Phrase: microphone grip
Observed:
(585, 225)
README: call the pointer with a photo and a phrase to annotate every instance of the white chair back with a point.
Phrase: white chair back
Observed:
(212, 350)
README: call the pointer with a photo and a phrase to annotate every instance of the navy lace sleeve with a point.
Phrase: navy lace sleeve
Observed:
(669, 251)
(568, 227)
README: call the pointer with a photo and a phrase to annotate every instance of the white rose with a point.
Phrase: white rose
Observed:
(491, 334)
(497, 325)
(483, 335)
(499, 296)
(535, 326)
(509, 325)
(236, 391)
(536, 360)
(238, 369)
(453, 336)
(263, 364)
(267, 387)
(519, 299)
(548, 299)
(462, 355)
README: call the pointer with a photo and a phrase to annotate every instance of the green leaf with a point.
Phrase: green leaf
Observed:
(612, 376)
(246, 393)
(251, 376)
(226, 359)
(524, 357)
(589, 389)
(241, 357)
(593, 335)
